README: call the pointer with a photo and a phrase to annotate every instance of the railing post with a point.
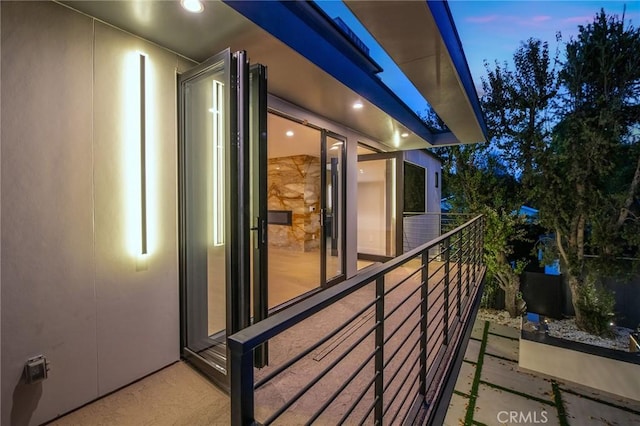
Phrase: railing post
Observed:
(241, 392)
(379, 357)
(474, 246)
(459, 268)
(447, 256)
(467, 259)
(424, 308)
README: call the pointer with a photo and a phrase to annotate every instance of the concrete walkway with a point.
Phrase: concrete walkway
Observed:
(491, 390)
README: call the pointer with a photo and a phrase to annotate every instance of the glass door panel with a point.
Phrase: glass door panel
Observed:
(333, 208)
(212, 165)
(294, 193)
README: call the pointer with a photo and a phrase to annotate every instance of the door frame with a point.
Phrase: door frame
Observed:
(237, 233)
(399, 201)
(325, 283)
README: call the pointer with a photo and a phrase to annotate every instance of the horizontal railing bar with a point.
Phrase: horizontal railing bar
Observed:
(342, 387)
(435, 315)
(438, 269)
(399, 369)
(400, 346)
(371, 407)
(415, 379)
(358, 399)
(393, 333)
(395, 395)
(249, 338)
(312, 348)
(417, 394)
(437, 333)
(404, 280)
(403, 301)
(318, 377)
(433, 299)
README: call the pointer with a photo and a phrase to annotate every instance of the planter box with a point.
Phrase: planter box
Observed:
(605, 369)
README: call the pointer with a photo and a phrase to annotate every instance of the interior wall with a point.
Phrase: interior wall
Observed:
(71, 287)
(294, 185)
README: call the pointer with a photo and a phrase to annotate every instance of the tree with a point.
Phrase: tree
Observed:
(574, 140)
(590, 171)
(519, 106)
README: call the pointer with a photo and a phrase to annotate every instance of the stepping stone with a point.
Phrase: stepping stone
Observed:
(502, 347)
(505, 373)
(504, 330)
(601, 395)
(478, 329)
(457, 410)
(494, 407)
(583, 411)
(465, 378)
(473, 350)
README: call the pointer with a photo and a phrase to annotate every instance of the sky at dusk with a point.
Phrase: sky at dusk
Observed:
(493, 30)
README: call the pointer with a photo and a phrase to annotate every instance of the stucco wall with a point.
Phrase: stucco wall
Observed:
(72, 287)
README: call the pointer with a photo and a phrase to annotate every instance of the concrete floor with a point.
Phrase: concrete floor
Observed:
(490, 391)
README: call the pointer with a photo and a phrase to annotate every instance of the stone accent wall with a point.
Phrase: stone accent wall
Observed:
(294, 184)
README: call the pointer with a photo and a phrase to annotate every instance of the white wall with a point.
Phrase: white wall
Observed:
(72, 289)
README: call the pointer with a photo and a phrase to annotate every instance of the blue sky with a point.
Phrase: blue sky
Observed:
(493, 30)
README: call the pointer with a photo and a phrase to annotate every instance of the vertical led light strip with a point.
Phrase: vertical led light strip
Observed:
(143, 156)
(218, 162)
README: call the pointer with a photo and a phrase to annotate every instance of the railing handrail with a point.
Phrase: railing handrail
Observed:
(257, 334)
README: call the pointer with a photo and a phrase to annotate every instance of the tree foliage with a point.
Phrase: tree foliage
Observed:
(476, 180)
(573, 136)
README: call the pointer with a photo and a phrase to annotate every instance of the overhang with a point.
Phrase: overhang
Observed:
(421, 38)
(309, 62)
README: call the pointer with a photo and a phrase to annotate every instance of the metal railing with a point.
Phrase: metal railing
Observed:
(376, 348)
(419, 229)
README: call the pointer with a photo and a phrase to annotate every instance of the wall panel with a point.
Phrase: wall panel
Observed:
(48, 292)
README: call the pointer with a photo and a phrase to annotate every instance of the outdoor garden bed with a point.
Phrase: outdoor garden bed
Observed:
(611, 370)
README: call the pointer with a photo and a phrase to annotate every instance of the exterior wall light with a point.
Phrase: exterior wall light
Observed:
(143, 155)
(289, 133)
(357, 105)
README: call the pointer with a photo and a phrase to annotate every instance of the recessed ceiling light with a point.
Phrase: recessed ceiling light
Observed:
(405, 135)
(289, 133)
(193, 6)
(357, 105)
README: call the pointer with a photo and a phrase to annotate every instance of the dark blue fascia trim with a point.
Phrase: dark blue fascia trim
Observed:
(282, 19)
(442, 16)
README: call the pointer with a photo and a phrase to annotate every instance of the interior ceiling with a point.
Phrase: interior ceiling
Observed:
(290, 76)
(304, 141)
(410, 36)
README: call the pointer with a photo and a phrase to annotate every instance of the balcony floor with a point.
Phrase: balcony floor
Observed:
(178, 395)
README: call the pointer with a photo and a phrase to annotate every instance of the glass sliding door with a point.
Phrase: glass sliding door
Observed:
(333, 208)
(294, 193)
(214, 209)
